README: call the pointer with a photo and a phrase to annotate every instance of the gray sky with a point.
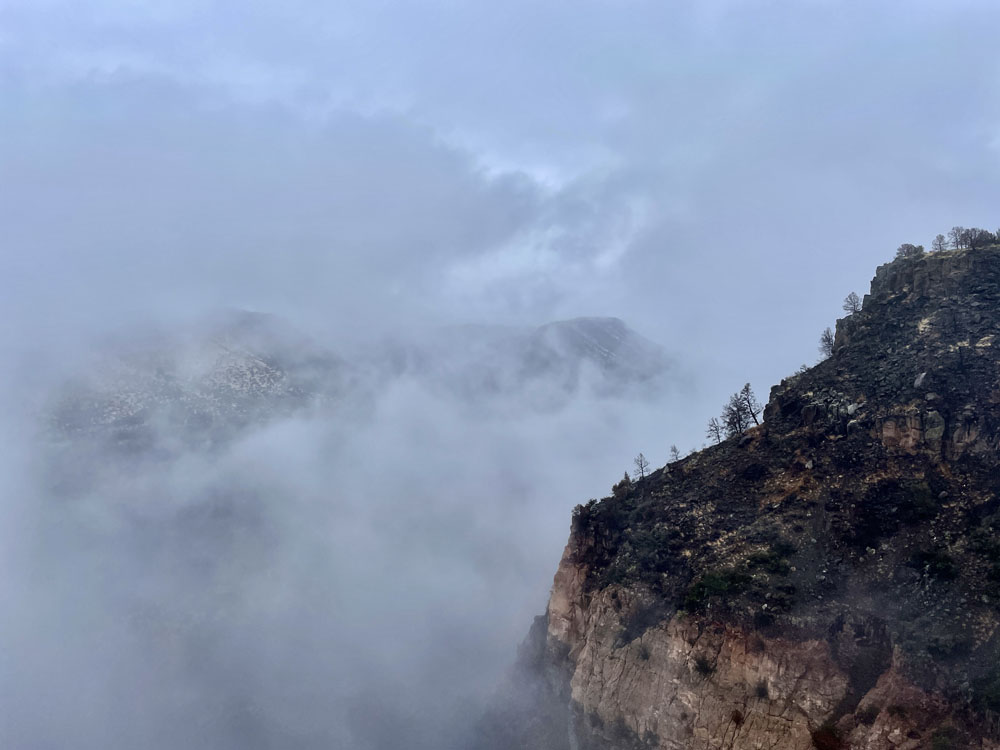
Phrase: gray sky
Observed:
(719, 174)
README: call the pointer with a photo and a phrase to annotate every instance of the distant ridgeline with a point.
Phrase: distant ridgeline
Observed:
(829, 578)
(155, 394)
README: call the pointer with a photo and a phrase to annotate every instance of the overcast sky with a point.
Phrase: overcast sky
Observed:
(719, 174)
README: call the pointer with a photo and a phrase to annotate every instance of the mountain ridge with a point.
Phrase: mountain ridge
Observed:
(830, 579)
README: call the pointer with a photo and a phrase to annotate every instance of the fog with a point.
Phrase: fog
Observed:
(351, 554)
(354, 574)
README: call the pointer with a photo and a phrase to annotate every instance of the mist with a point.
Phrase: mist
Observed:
(353, 574)
(349, 553)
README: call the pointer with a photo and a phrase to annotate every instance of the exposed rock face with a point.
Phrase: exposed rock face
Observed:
(829, 580)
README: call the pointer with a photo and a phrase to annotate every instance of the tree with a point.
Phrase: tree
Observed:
(741, 409)
(906, 250)
(621, 489)
(716, 431)
(750, 403)
(675, 455)
(852, 303)
(641, 466)
(976, 238)
(939, 244)
(957, 237)
(826, 340)
(734, 417)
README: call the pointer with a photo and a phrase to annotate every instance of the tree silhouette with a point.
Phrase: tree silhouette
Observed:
(716, 430)
(976, 238)
(852, 303)
(906, 250)
(641, 466)
(740, 411)
(826, 340)
(750, 403)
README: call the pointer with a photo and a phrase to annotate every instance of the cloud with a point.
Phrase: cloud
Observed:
(718, 174)
(325, 580)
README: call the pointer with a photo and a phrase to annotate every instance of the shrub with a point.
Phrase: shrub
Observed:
(703, 665)
(641, 619)
(827, 738)
(986, 691)
(936, 562)
(946, 738)
(760, 690)
(770, 561)
(763, 619)
(868, 714)
(727, 581)
(907, 250)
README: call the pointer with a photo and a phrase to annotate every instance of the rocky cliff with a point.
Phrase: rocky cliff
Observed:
(830, 579)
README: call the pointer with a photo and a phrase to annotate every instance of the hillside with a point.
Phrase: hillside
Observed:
(210, 381)
(830, 579)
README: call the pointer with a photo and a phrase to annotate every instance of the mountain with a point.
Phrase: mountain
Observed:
(547, 363)
(205, 383)
(829, 579)
(200, 384)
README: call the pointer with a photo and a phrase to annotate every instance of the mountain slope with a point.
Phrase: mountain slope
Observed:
(203, 384)
(546, 363)
(206, 383)
(831, 579)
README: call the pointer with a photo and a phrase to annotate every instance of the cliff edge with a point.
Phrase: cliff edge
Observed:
(829, 579)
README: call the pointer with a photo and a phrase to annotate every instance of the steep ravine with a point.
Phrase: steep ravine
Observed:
(830, 579)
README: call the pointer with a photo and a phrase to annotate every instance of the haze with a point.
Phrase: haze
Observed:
(358, 571)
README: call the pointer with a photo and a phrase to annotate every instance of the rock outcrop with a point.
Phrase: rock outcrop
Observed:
(831, 579)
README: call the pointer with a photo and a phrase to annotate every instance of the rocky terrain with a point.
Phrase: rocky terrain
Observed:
(829, 579)
(205, 384)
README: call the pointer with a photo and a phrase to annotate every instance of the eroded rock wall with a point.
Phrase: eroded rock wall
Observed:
(830, 579)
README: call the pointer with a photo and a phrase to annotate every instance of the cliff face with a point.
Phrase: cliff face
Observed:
(831, 579)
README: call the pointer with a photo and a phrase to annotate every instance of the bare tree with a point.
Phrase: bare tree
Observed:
(906, 250)
(826, 340)
(852, 303)
(716, 430)
(939, 244)
(750, 403)
(740, 412)
(641, 466)
(735, 420)
(675, 455)
(976, 238)
(957, 237)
